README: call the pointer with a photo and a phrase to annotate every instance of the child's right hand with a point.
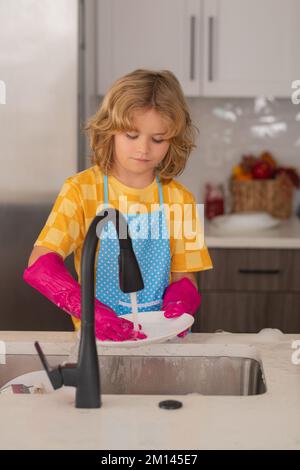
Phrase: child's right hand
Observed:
(110, 327)
(50, 277)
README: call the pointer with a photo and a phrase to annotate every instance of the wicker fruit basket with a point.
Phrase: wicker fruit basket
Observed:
(274, 196)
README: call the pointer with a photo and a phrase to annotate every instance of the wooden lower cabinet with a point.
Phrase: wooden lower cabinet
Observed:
(255, 270)
(248, 312)
(250, 289)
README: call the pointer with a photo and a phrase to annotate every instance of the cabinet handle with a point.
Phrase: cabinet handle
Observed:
(210, 47)
(259, 271)
(192, 46)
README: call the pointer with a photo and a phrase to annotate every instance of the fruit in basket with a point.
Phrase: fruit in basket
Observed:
(239, 174)
(262, 170)
(244, 177)
(292, 173)
(248, 161)
(237, 170)
(268, 157)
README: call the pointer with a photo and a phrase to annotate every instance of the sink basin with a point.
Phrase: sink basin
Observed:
(161, 375)
(181, 375)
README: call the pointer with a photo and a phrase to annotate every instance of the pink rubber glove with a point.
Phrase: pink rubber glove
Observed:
(49, 275)
(181, 297)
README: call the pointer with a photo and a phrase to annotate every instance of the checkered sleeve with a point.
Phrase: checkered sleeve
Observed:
(63, 230)
(190, 253)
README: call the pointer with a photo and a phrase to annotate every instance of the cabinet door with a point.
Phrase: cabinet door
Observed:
(248, 312)
(253, 270)
(251, 47)
(155, 34)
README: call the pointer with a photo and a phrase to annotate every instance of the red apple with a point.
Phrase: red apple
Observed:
(262, 170)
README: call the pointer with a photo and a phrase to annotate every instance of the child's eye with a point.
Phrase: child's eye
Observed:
(131, 136)
(135, 137)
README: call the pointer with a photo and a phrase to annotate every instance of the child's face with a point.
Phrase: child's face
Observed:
(142, 150)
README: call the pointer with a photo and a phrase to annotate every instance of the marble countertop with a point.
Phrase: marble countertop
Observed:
(267, 421)
(285, 236)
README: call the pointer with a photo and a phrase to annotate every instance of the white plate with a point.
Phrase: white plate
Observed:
(156, 326)
(244, 222)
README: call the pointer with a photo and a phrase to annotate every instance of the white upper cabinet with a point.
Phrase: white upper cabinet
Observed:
(214, 47)
(251, 47)
(155, 34)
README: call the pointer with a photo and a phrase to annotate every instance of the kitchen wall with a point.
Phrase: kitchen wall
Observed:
(232, 127)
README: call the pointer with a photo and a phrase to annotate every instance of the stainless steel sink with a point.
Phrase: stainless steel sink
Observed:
(162, 375)
(181, 375)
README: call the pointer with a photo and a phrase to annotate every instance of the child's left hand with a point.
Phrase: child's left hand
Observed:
(181, 297)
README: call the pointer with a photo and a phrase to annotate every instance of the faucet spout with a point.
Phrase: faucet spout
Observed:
(130, 277)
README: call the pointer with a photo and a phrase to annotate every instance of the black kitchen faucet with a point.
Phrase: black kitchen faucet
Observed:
(85, 374)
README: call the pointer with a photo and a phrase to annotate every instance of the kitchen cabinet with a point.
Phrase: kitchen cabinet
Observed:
(250, 47)
(250, 289)
(214, 47)
(158, 34)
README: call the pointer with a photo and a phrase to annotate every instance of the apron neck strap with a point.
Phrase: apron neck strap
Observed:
(105, 190)
(161, 198)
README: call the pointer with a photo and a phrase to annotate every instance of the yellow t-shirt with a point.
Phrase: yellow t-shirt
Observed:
(81, 197)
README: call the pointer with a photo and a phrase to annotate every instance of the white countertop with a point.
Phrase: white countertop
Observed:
(285, 236)
(266, 421)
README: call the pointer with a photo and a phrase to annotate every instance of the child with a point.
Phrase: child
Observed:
(141, 138)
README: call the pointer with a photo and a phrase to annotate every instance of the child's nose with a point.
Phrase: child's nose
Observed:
(143, 145)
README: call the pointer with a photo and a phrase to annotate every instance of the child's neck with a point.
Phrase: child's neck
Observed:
(133, 181)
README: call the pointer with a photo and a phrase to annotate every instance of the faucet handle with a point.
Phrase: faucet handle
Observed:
(54, 375)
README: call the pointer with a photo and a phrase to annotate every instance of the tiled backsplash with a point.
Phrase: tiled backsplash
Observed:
(229, 128)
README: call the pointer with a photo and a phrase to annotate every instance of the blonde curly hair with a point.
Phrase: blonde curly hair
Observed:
(142, 90)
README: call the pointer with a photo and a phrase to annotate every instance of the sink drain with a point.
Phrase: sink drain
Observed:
(170, 404)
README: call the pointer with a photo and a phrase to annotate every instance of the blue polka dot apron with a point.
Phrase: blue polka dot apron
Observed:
(151, 244)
